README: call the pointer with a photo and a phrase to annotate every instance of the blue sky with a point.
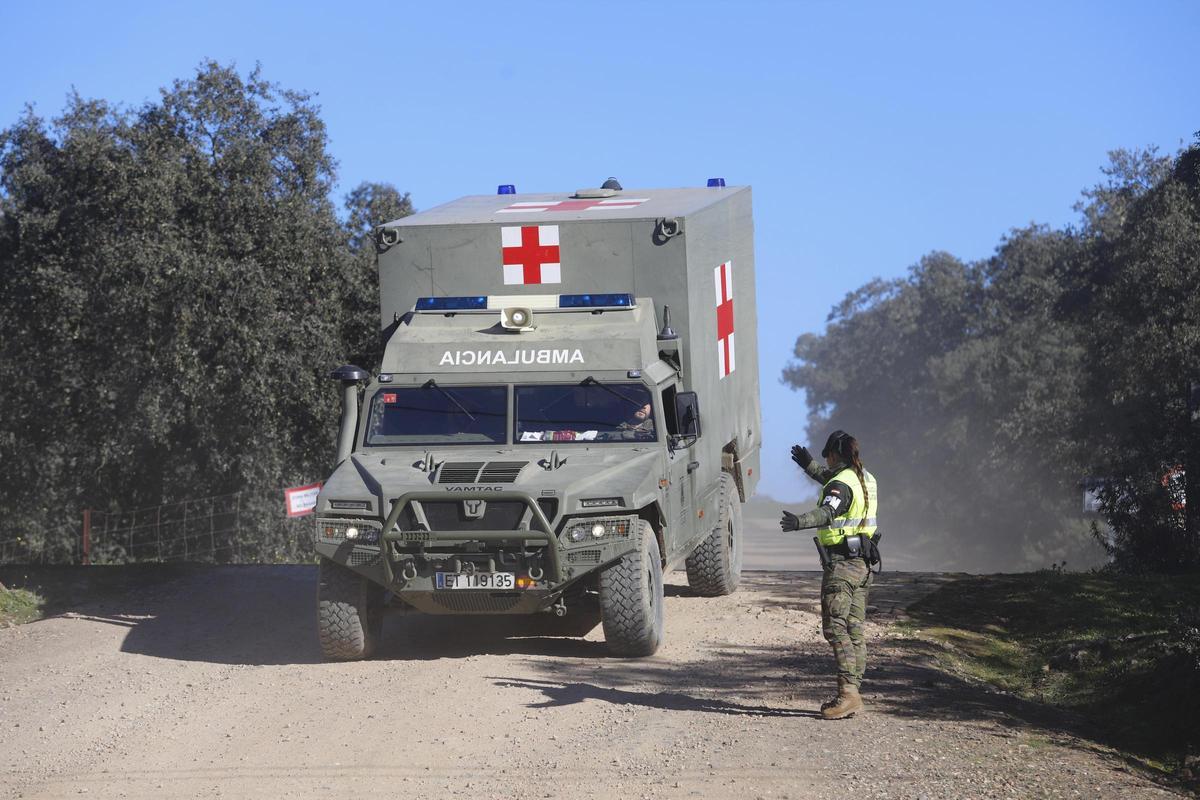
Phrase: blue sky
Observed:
(871, 132)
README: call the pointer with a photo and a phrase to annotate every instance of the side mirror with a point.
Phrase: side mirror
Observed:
(687, 416)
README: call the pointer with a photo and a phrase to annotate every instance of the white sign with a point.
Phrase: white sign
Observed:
(301, 500)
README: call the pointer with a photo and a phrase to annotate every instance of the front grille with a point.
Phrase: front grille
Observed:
(476, 602)
(459, 471)
(502, 471)
(480, 471)
(583, 557)
(361, 556)
(498, 515)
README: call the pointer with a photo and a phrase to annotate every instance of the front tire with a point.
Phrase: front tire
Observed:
(715, 567)
(631, 599)
(349, 613)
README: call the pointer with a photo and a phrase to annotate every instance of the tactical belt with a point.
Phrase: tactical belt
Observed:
(840, 549)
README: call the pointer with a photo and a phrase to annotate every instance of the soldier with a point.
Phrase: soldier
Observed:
(846, 539)
(640, 427)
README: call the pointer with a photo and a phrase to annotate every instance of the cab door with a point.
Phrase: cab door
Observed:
(680, 494)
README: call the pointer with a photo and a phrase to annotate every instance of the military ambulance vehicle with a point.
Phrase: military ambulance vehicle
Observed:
(567, 406)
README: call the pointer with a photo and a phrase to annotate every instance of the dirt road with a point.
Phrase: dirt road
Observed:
(212, 686)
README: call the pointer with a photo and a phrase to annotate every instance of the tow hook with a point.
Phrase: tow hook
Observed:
(560, 608)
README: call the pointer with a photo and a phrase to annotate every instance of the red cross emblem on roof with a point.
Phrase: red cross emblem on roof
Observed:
(599, 204)
(723, 280)
(530, 254)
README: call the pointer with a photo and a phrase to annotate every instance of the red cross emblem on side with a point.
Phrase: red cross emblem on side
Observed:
(530, 254)
(723, 281)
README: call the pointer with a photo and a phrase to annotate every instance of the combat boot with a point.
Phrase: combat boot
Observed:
(846, 704)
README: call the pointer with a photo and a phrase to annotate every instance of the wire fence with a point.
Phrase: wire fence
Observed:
(62, 546)
(204, 529)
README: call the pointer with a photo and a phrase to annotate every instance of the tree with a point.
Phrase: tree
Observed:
(175, 295)
(369, 205)
(1133, 294)
(987, 391)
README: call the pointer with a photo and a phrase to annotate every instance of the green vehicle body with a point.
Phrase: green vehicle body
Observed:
(415, 501)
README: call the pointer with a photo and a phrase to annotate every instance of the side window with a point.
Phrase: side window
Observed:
(668, 398)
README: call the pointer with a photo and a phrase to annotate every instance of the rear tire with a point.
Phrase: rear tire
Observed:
(715, 567)
(631, 599)
(349, 613)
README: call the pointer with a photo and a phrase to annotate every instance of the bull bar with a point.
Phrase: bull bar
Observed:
(393, 534)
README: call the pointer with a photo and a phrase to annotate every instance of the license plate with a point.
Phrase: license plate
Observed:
(480, 580)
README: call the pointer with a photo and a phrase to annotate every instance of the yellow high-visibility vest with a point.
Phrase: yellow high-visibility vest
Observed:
(860, 517)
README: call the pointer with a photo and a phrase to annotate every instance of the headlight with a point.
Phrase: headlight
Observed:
(350, 505)
(599, 528)
(600, 502)
(332, 530)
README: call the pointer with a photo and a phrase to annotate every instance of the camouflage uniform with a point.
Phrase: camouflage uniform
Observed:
(637, 431)
(846, 581)
(843, 613)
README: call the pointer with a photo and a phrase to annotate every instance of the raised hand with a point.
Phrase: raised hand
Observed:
(801, 456)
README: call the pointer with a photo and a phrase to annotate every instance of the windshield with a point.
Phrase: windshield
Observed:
(590, 412)
(433, 414)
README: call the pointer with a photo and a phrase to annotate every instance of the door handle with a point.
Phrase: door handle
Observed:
(693, 466)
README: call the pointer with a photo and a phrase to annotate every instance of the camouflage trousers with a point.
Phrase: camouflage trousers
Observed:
(843, 612)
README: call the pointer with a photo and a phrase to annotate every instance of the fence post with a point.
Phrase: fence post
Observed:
(87, 536)
(237, 524)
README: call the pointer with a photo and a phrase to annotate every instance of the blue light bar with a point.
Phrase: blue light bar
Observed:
(451, 303)
(506, 188)
(716, 183)
(594, 300)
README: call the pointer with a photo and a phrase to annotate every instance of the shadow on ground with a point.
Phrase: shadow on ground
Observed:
(565, 694)
(265, 615)
(793, 679)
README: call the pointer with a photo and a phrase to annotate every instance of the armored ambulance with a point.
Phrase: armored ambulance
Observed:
(567, 406)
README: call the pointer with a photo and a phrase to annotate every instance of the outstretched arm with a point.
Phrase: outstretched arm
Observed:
(835, 500)
(819, 517)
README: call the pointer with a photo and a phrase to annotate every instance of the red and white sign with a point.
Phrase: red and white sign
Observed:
(530, 254)
(1173, 481)
(607, 204)
(301, 500)
(723, 281)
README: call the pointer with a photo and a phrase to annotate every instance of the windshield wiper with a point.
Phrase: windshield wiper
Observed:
(451, 398)
(590, 380)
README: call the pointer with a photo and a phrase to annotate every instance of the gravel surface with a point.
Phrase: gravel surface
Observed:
(212, 686)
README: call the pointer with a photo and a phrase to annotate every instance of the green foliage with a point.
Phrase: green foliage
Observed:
(1120, 649)
(18, 606)
(177, 287)
(368, 205)
(983, 393)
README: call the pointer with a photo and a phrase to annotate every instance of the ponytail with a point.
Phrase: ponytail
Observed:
(850, 451)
